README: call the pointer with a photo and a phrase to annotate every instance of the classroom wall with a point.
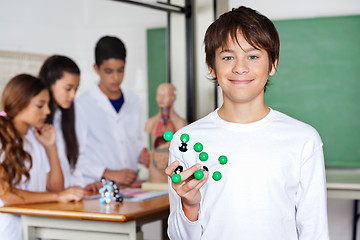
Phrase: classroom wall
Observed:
(72, 28)
(178, 58)
(283, 9)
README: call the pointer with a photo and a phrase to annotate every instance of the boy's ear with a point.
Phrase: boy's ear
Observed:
(212, 72)
(96, 68)
(274, 67)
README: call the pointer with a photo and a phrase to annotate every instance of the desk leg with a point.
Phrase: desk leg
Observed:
(164, 228)
(28, 231)
(355, 218)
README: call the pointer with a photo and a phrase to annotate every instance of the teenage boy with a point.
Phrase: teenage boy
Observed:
(273, 180)
(113, 144)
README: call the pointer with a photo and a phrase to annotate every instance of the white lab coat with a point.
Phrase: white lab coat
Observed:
(72, 177)
(10, 224)
(108, 140)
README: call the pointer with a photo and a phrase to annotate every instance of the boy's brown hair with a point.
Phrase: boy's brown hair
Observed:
(257, 30)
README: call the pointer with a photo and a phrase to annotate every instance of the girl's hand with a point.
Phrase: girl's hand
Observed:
(93, 187)
(46, 135)
(71, 194)
(188, 188)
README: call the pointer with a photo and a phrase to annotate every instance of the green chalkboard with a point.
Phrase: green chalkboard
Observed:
(156, 64)
(318, 82)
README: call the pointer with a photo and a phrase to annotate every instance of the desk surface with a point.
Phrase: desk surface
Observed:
(92, 209)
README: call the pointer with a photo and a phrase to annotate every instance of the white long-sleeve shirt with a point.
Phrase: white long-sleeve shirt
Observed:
(10, 224)
(112, 140)
(273, 186)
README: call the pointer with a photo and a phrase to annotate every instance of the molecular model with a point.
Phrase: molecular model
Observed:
(203, 156)
(109, 192)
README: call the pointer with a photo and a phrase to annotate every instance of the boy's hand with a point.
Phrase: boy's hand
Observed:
(145, 157)
(124, 176)
(93, 187)
(46, 135)
(188, 189)
(71, 194)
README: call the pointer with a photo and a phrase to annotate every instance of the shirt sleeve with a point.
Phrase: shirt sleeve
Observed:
(179, 227)
(91, 171)
(311, 207)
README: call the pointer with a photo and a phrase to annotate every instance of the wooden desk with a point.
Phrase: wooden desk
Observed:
(89, 219)
(345, 185)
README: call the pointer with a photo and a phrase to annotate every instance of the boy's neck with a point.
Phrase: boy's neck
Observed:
(243, 113)
(113, 95)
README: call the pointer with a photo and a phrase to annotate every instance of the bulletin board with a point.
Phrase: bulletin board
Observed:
(14, 63)
(318, 82)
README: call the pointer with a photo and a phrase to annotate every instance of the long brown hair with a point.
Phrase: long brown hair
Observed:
(52, 70)
(16, 96)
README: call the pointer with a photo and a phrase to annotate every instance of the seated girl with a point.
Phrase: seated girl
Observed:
(30, 171)
(61, 75)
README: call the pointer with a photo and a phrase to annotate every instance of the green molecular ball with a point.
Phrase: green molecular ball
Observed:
(217, 176)
(176, 178)
(198, 147)
(184, 138)
(168, 135)
(223, 159)
(199, 174)
(203, 156)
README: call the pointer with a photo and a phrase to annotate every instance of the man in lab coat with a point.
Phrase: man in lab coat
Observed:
(111, 120)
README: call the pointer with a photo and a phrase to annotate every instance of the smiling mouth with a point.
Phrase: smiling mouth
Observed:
(241, 81)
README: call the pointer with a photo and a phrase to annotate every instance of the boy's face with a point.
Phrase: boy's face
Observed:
(241, 71)
(111, 73)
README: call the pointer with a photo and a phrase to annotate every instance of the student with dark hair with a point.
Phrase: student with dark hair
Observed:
(113, 139)
(109, 47)
(29, 165)
(264, 177)
(61, 75)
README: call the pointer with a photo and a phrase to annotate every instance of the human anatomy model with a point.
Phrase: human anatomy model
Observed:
(165, 120)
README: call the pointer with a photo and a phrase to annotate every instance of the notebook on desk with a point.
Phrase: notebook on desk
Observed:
(138, 195)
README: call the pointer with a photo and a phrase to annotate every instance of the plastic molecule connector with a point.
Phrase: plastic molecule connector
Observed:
(168, 135)
(184, 139)
(203, 157)
(109, 192)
